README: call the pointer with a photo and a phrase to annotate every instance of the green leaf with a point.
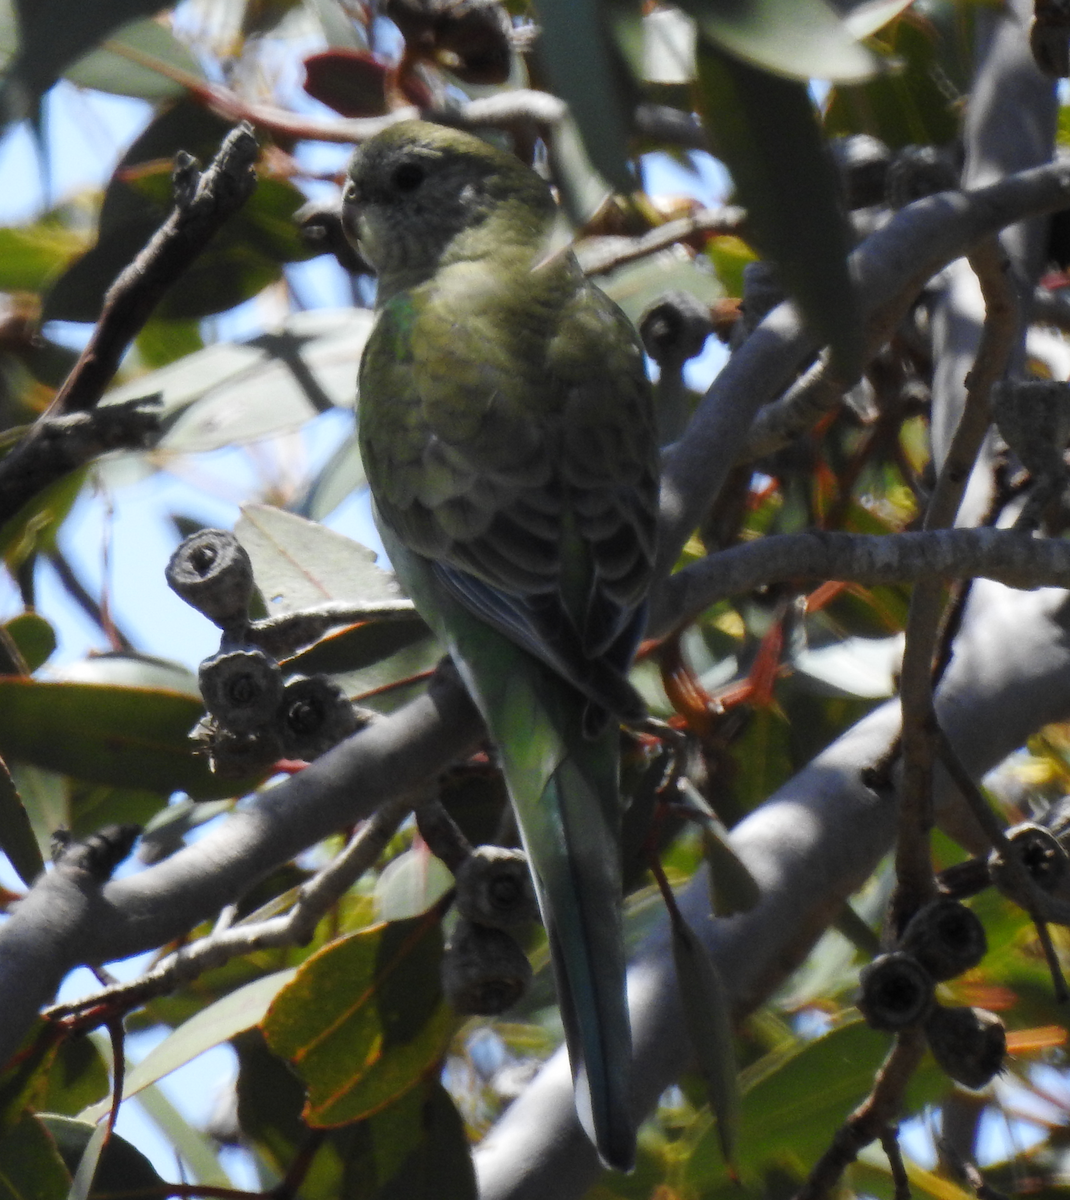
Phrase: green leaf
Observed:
(733, 889)
(585, 69)
(123, 64)
(340, 476)
(414, 1149)
(763, 756)
(78, 1076)
(410, 884)
(799, 39)
(122, 1167)
(764, 129)
(34, 638)
(707, 1014)
(359, 646)
(94, 805)
(440, 1166)
(364, 1019)
(30, 1164)
(31, 256)
(729, 256)
(86, 1171)
(636, 286)
(35, 525)
(794, 1100)
(23, 1076)
(233, 267)
(120, 669)
(46, 797)
(298, 564)
(196, 1148)
(17, 838)
(124, 736)
(162, 342)
(235, 392)
(237, 1011)
(904, 107)
(52, 34)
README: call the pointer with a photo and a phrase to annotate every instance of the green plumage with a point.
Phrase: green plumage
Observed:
(507, 433)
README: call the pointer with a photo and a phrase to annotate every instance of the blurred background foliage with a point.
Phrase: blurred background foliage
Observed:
(763, 682)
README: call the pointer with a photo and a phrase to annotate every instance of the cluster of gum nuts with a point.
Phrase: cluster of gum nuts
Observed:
(256, 717)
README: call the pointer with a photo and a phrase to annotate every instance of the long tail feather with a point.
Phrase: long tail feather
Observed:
(565, 791)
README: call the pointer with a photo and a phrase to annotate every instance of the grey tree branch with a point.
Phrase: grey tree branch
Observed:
(890, 267)
(258, 932)
(915, 883)
(1013, 558)
(65, 921)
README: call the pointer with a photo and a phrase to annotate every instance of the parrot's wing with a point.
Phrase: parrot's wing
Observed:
(518, 455)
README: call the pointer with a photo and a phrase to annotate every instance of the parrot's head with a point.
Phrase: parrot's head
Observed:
(419, 196)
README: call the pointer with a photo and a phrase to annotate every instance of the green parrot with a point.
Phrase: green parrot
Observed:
(507, 431)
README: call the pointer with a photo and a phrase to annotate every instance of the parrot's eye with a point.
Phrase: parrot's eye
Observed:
(349, 192)
(409, 176)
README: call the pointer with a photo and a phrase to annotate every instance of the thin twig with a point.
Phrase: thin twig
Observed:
(915, 881)
(74, 588)
(890, 1145)
(65, 437)
(890, 267)
(55, 446)
(227, 941)
(601, 255)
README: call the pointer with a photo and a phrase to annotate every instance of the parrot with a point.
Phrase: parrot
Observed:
(506, 425)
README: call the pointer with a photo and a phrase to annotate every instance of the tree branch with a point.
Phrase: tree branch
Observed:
(203, 204)
(66, 920)
(915, 883)
(890, 268)
(1016, 559)
(57, 443)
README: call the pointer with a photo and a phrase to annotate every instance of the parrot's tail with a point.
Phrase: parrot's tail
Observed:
(571, 832)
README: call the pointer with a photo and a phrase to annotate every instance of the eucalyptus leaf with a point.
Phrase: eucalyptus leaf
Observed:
(238, 392)
(238, 1010)
(17, 838)
(364, 1019)
(299, 564)
(31, 256)
(340, 476)
(707, 1014)
(585, 69)
(129, 737)
(765, 130)
(799, 39)
(123, 64)
(122, 1167)
(52, 34)
(32, 1166)
(196, 1148)
(410, 884)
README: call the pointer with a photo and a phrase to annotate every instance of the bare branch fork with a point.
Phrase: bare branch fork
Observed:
(58, 443)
